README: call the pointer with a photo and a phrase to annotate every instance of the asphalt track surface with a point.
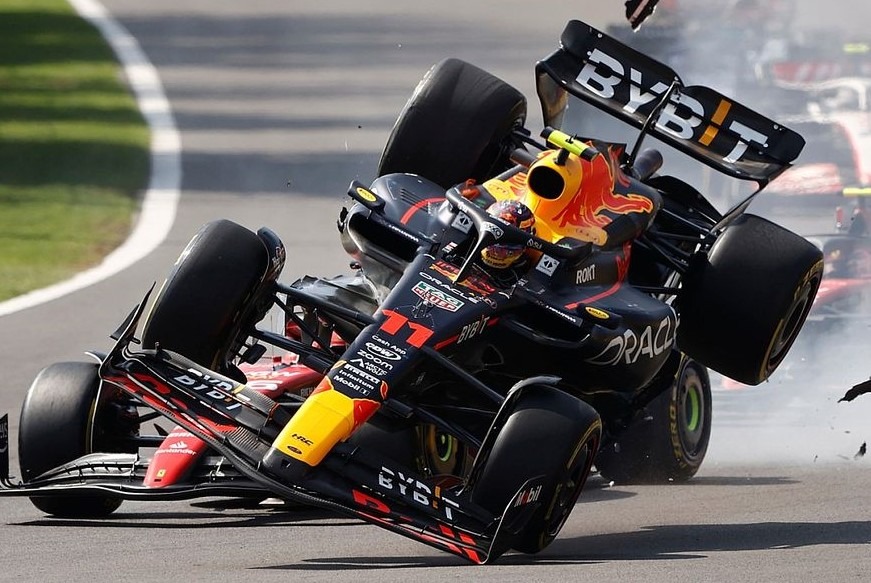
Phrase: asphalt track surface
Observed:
(280, 106)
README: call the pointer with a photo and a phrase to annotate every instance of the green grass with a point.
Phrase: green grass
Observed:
(73, 147)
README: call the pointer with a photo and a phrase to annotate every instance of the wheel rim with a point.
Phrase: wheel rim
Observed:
(444, 447)
(443, 451)
(791, 325)
(692, 411)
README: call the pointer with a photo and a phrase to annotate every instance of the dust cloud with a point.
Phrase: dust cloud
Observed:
(796, 417)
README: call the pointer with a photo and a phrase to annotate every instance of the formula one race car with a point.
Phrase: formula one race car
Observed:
(511, 322)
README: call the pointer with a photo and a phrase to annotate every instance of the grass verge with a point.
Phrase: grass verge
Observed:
(73, 146)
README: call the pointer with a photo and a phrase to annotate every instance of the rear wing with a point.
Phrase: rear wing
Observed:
(643, 92)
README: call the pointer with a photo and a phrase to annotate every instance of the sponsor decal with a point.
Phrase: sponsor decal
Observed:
(382, 351)
(205, 381)
(177, 447)
(366, 356)
(528, 496)
(437, 297)
(302, 439)
(366, 194)
(597, 313)
(494, 230)
(369, 366)
(448, 287)
(585, 275)
(384, 342)
(629, 346)
(356, 378)
(189, 452)
(415, 491)
(214, 388)
(473, 329)
(547, 264)
(279, 256)
(560, 313)
(401, 232)
(603, 75)
(462, 223)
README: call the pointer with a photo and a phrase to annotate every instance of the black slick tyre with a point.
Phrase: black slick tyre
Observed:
(668, 440)
(456, 125)
(202, 305)
(743, 305)
(549, 433)
(60, 422)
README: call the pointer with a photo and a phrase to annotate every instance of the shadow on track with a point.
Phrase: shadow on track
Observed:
(650, 543)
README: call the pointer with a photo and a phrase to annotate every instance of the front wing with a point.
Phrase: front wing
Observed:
(240, 430)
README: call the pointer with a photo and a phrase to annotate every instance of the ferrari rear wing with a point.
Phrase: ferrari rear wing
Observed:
(643, 92)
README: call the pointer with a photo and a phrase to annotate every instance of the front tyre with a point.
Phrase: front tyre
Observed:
(456, 125)
(668, 440)
(63, 418)
(550, 433)
(207, 299)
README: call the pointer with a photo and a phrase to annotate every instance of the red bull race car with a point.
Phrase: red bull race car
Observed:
(521, 309)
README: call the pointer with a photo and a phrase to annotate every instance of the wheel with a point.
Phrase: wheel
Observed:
(442, 454)
(62, 420)
(669, 439)
(200, 307)
(548, 432)
(741, 310)
(456, 125)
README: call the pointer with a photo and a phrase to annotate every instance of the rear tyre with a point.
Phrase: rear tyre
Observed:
(741, 310)
(669, 439)
(62, 420)
(456, 125)
(549, 433)
(207, 298)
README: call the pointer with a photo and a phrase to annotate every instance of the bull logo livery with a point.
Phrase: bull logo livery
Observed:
(573, 197)
(590, 205)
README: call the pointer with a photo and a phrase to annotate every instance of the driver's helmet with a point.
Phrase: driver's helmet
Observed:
(514, 213)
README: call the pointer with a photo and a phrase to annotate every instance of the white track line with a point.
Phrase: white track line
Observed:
(160, 201)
